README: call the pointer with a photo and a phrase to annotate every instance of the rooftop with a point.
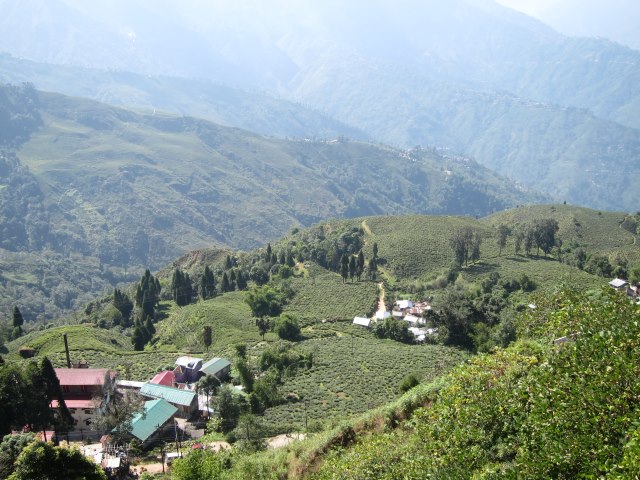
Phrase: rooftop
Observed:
(171, 395)
(82, 376)
(215, 365)
(187, 361)
(156, 414)
(166, 378)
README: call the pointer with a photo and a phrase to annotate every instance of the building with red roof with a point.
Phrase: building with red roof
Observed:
(84, 390)
(166, 378)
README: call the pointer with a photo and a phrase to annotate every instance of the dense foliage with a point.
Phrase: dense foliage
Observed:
(534, 410)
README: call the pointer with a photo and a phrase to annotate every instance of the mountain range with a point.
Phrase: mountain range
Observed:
(555, 113)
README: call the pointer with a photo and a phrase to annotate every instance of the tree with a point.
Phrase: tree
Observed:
(122, 302)
(114, 417)
(375, 250)
(360, 265)
(63, 421)
(138, 339)
(290, 261)
(224, 286)
(544, 234)
(352, 267)
(228, 408)
(264, 301)
(465, 245)
(344, 267)
(13, 405)
(43, 461)
(241, 281)
(207, 284)
(10, 448)
(518, 238)
(181, 288)
(501, 239)
(208, 385)
(264, 325)
(287, 327)
(475, 247)
(373, 268)
(268, 253)
(18, 321)
(394, 329)
(206, 337)
(245, 374)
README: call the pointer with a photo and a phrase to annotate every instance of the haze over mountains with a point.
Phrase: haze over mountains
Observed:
(558, 114)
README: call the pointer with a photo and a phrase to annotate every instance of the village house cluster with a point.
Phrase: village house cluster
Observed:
(405, 310)
(170, 396)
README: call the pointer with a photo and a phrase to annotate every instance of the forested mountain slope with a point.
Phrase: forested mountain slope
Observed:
(555, 113)
(122, 189)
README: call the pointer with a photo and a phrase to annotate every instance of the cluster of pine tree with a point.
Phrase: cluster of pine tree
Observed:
(147, 298)
(352, 266)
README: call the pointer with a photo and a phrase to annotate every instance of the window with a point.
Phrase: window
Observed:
(88, 411)
(72, 411)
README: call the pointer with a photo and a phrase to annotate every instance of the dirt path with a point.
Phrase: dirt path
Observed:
(366, 228)
(283, 440)
(381, 306)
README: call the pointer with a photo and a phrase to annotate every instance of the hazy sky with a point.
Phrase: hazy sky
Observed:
(618, 20)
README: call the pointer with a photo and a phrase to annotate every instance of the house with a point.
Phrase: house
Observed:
(156, 418)
(187, 369)
(618, 283)
(84, 391)
(129, 385)
(412, 319)
(217, 367)
(420, 334)
(186, 401)
(397, 314)
(382, 314)
(166, 378)
(404, 304)
(362, 321)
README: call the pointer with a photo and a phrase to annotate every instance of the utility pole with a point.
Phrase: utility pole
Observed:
(162, 449)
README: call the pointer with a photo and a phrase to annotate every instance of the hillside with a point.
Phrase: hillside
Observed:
(255, 111)
(350, 388)
(123, 190)
(555, 113)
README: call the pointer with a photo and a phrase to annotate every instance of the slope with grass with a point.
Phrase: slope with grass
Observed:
(128, 190)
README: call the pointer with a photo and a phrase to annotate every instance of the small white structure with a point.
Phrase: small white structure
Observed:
(412, 319)
(397, 314)
(404, 304)
(618, 283)
(420, 334)
(382, 314)
(362, 321)
(532, 306)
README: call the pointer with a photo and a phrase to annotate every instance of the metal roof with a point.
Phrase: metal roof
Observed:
(189, 362)
(157, 413)
(166, 378)
(362, 321)
(82, 376)
(171, 395)
(215, 365)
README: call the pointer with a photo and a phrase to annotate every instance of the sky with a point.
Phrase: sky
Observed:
(618, 20)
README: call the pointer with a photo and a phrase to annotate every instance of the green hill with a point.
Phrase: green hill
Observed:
(121, 190)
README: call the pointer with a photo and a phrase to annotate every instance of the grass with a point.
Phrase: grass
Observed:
(323, 296)
(354, 372)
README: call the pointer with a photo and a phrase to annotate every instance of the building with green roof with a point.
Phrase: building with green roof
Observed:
(186, 401)
(217, 367)
(156, 417)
